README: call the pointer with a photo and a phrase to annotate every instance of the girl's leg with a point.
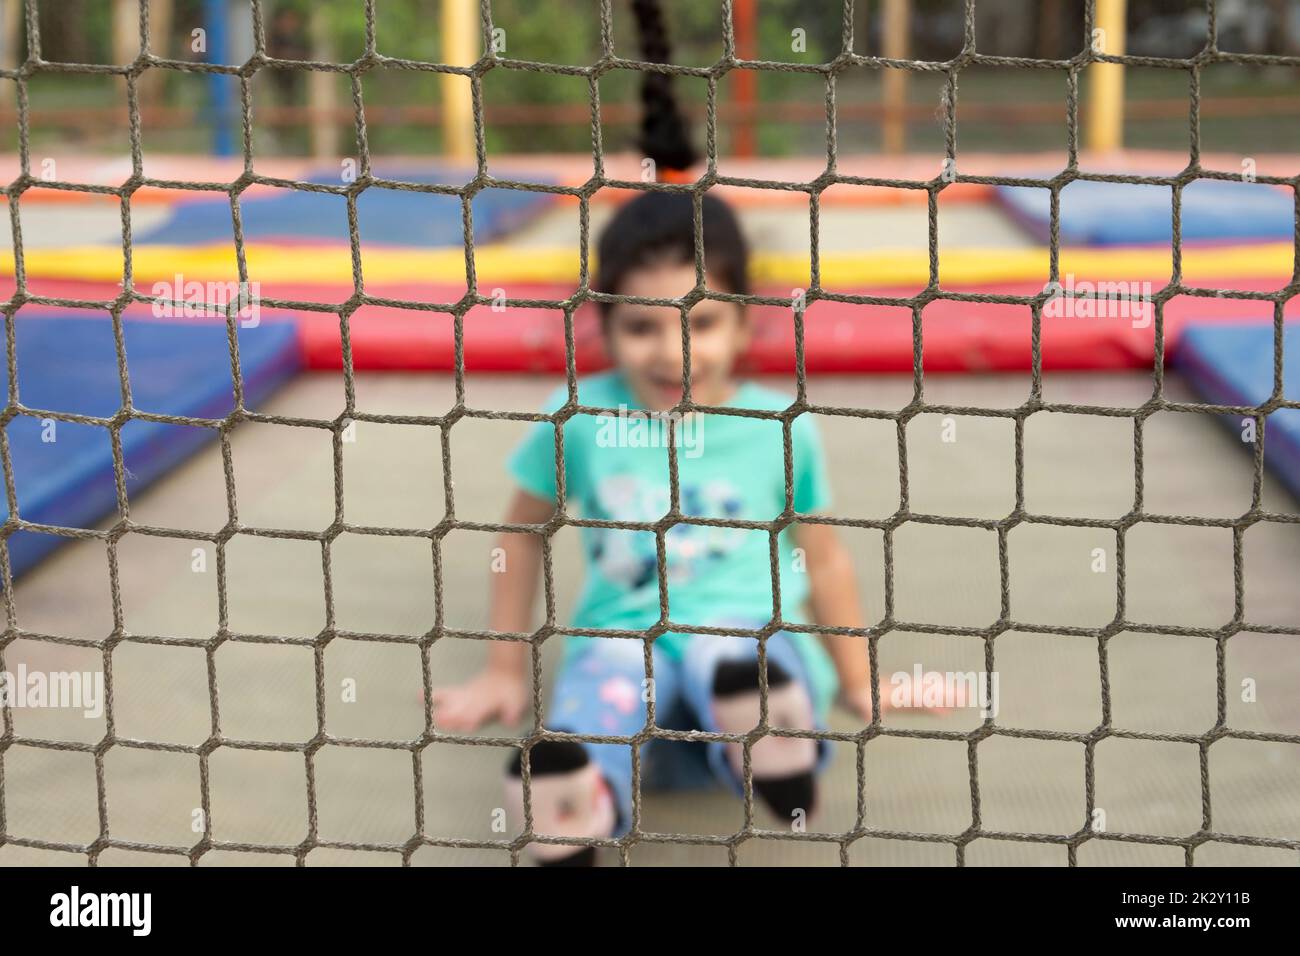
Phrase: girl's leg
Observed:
(720, 681)
(585, 789)
(676, 764)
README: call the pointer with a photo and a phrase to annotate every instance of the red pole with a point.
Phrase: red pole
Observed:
(744, 13)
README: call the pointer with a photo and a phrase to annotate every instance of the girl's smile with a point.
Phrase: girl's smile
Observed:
(645, 341)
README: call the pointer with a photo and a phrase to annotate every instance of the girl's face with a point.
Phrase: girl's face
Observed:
(645, 341)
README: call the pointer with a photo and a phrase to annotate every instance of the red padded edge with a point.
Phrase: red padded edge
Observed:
(838, 338)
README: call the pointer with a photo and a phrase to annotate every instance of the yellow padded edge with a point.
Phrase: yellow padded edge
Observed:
(332, 264)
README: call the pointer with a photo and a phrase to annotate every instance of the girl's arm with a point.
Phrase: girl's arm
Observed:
(514, 589)
(833, 596)
(502, 689)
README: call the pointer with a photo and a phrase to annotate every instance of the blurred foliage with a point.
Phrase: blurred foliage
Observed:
(568, 32)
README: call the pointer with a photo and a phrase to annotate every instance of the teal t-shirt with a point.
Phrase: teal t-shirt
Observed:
(616, 469)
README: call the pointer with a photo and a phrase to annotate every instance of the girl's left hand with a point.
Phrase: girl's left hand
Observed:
(857, 700)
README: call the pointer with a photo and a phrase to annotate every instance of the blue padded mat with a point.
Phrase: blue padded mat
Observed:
(1111, 214)
(1233, 365)
(384, 216)
(70, 365)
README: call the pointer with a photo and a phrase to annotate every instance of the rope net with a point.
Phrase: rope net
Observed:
(610, 60)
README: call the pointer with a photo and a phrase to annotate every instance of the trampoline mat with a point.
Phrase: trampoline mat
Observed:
(1159, 684)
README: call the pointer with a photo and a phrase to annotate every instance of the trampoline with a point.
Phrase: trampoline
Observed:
(63, 470)
(1076, 465)
(385, 215)
(1234, 365)
(1097, 213)
(358, 551)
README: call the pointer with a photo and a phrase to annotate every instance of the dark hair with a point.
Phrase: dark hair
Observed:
(658, 225)
(664, 137)
(661, 226)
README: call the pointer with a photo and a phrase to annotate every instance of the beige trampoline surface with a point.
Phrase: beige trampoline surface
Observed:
(1077, 466)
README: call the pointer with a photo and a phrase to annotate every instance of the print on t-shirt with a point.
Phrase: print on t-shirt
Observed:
(629, 558)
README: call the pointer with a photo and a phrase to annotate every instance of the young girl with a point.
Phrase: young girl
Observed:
(729, 467)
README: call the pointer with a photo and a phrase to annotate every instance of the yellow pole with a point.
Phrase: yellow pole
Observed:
(460, 43)
(1106, 103)
(897, 18)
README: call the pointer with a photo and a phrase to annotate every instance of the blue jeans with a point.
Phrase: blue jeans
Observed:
(600, 691)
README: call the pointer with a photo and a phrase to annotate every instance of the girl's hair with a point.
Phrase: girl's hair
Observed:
(658, 226)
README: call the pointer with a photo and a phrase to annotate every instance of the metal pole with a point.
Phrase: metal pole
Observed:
(322, 89)
(220, 92)
(746, 81)
(897, 20)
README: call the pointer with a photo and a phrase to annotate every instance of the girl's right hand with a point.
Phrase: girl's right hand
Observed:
(491, 695)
